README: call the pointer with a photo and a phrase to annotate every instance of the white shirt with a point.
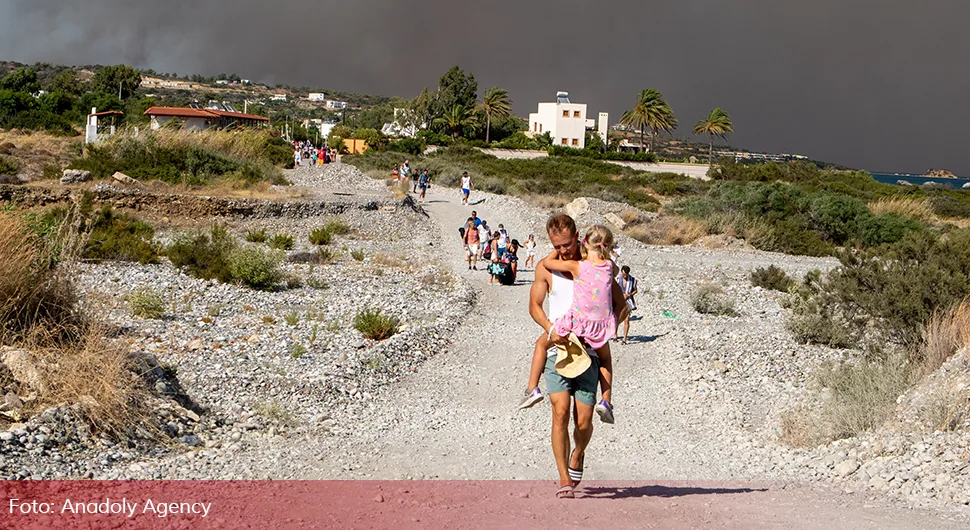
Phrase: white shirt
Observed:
(560, 297)
(466, 183)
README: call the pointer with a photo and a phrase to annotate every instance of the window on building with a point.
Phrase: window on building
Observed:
(564, 141)
(575, 141)
(565, 114)
(575, 114)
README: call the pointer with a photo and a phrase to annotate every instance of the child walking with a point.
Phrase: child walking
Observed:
(590, 316)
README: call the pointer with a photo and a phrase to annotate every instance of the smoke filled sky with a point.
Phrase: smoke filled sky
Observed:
(878, 84)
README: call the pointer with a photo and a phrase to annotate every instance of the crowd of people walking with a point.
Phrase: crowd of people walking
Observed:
(496, 249)
(305, 154)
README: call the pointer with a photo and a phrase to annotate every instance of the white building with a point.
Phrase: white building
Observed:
(323, 126)
(278, 97)
(336, 104)
(317, 96)
(564, 121)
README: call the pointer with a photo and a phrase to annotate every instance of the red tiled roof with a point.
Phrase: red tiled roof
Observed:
(228, 114)
(183, 112)
(180, 112)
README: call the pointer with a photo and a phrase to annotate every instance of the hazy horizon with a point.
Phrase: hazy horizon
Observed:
(873, 85)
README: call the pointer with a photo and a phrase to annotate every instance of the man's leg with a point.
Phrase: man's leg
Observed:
(583, 412)
(560, 434)
(626, 327)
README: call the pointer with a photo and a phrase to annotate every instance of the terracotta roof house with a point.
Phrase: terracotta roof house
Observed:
(199, 119)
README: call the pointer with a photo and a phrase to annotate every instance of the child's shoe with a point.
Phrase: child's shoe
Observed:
(605, 410)
(531, 398)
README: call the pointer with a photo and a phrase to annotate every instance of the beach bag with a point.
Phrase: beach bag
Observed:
(461, 231)
(487, 252)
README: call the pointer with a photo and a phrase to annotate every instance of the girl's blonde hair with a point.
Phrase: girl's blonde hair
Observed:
(599, 239)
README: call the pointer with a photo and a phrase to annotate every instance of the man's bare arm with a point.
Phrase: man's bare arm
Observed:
(537, 295)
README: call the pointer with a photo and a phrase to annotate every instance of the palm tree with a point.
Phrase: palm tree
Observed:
(456, 119)
(495, 102)
(650, 111)
(717, 123)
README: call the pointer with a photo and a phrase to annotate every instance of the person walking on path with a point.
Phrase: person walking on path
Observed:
(530, 252)
(580, 391)
(415, 177)
(423, 181)
(404, 172)
(628, 284)
(471, 241)
(590, 317)
(466, 187)
(495, 261)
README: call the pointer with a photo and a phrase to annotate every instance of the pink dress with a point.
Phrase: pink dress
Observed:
(591, 315)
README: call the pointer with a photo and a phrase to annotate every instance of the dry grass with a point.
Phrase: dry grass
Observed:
(948, 409)
(390, 260)
(668, 230)
(38, 151)
(34, 293)
(917, 209)
(946, 333)
(100, 376)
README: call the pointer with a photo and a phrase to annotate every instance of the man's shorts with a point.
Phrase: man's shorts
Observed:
(465, 191)
(583, 388)
(471, 250)
(501, 252)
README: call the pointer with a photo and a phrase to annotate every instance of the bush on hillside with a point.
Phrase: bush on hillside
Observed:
(772, 278)
(320, 236)
(281, 242)
(375, 325)
(411, 146)
(204, 255)
(883, 296)
(256, 267)
(562, 150)
(710, 299)
(9, 165)
(196, 158)
(118, 236)
(887, 228)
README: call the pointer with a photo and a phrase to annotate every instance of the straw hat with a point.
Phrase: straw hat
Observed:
(571, 358)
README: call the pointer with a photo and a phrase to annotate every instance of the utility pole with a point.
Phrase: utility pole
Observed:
(119, 90)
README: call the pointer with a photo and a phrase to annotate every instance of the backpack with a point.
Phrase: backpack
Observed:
(487, 252)
(505, 274)
(461, 231)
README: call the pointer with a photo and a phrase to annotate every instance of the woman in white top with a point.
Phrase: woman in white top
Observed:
(466, 187)
(530, 253)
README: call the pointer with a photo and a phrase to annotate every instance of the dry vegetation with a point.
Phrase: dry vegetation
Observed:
(38, 154)
(946, 333)
(917, 209)
(67, 355)
(664, 230)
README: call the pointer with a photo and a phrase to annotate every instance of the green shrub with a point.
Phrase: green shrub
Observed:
(357, 254)
(178, 158)
(772, 278)
(146, 303)
(9, 165)
(204, 255)
(117, 236)
(257, 236)
(281, 242)
(885, 295)
(320, 236)
(946, 205)
(710, 299)
(256, 267)
(837, 217)
(325, 255)
(887, 228)
(336, 227)
(292, 318)
(375, 325)
(411, 146)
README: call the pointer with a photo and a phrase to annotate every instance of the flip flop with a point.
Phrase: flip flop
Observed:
(565, 492)
(576, 475)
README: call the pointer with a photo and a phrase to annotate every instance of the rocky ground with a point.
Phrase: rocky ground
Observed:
(697, 397)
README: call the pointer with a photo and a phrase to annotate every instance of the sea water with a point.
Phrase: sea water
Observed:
(893, 178)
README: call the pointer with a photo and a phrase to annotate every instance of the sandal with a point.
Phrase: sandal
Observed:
(576, 475)
(565, 492)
